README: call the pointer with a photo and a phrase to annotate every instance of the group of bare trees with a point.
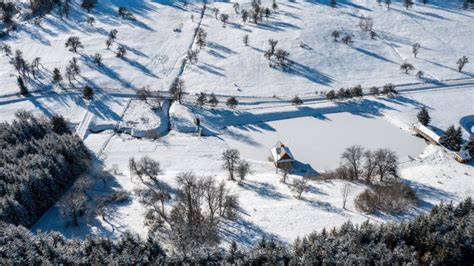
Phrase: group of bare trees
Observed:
(210, 99)
(362, 164)
(234, 165)
(192, 214)
(277, 57)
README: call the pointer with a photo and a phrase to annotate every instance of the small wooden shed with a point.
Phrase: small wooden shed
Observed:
(426, 133)
(282, 156)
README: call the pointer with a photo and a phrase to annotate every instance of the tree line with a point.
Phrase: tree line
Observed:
(442, 237)
(39, 160)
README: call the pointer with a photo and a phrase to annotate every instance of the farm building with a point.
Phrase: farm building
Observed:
(426, 133)
(462, 156)
(282, 156)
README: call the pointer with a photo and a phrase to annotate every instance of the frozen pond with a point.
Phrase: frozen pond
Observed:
(320, 142)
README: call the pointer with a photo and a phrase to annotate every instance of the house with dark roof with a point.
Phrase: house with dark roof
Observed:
(282, 156)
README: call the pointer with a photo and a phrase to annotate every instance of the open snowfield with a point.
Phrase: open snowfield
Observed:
(154, 50)
(235, 69)
(268, 206)
(112, 126)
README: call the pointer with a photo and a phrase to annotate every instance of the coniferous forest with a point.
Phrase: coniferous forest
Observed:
(442, 237)
(39, 160)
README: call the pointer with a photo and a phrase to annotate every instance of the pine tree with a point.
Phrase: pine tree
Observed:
(57, 78)
(59, 125)
(423, 116)
(452, 138)
(469, 145)
(88, 93)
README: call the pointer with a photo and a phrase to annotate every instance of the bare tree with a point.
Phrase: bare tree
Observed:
(415, 48)
(201, 99)
(386, 163)
(230, 158)
(121, 51)
(224, 18)
(300, 185)
(143, 94)
(73, 43)
(192, 56)
(407, 67)
(7, 50)
(91, 21)
(108, 43)
(72, 70)
(408, 3)
(285, 171)
(73, 203)
(462, 62)
(177, 89)
(243, 169)
(246, 39)
(273, 43)
(345, 191)
(370, 165)
(236, 7)
(347, 40)
(146, 167)
(113, 35)
(213, 101)
(232, 102)
(201, 38)
(352, 156)
(34, 68)
(366, 24)
(245, 15)
(335, 34)
(98, 59)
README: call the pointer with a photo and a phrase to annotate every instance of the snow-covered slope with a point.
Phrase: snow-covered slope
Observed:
(157, 43)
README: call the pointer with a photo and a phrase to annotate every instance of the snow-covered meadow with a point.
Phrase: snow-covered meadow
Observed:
(317, 131)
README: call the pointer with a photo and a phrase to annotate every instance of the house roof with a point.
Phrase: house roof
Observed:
(428, 132)
(281, 154)
(464, 155)
(279, 144)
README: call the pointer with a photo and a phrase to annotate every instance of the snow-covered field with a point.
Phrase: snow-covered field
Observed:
(321, 64)
(317, 131)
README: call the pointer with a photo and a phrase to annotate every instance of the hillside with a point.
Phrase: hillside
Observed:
(133, 113)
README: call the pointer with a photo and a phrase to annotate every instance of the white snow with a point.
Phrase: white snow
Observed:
(316, 132)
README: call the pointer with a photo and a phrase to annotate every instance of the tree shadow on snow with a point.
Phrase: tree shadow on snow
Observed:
(264, 190)
(244, 233)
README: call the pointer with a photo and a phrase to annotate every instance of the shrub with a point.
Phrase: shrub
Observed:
(392, 198)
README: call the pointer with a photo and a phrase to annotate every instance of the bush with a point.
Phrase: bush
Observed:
(393, 198)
